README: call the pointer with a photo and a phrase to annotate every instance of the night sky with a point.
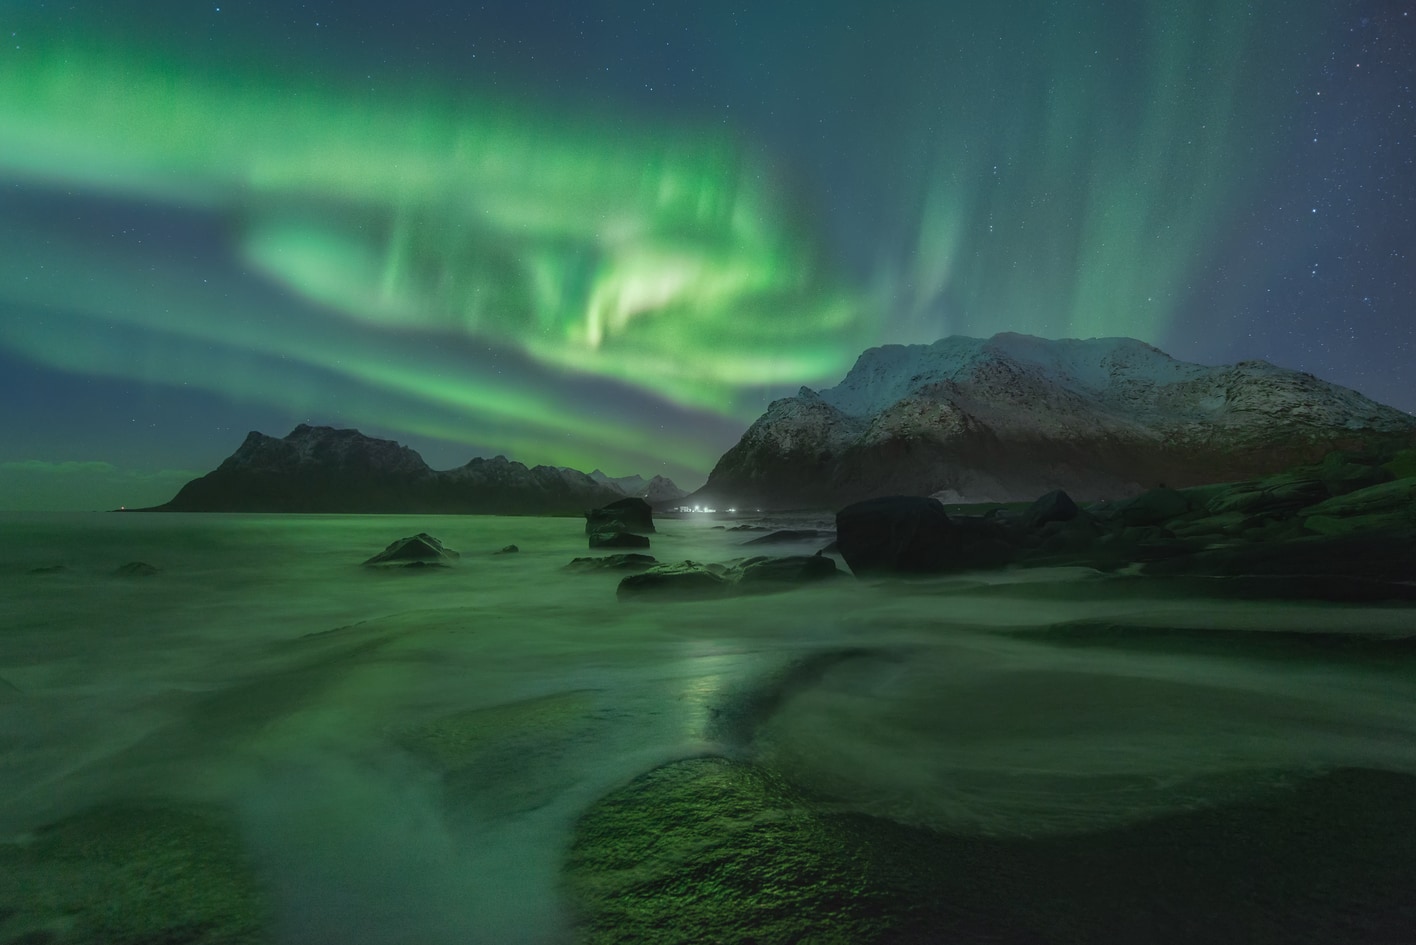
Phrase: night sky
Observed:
(608, 234)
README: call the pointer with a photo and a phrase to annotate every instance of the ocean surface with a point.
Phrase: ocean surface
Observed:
(261, 669)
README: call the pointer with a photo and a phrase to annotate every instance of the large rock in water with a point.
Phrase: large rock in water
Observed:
(895, 533)
(914, 535)
(627, 515)
(1012, 417)
(421, 549)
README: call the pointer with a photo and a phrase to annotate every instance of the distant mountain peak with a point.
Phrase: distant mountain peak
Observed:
(324, 469)
(655, 490)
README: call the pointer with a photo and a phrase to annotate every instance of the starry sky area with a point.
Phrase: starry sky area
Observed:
(609, 234)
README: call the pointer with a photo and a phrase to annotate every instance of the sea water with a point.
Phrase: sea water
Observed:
(260, 668)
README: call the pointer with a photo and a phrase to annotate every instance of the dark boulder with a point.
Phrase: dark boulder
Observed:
(421, 549)
(895, 533)
(612, 538)
(1056, 506)
(627, 515)
(508, 550)
(625, 561)
(914, 535)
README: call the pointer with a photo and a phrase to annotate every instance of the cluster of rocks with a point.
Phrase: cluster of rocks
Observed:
(623, 524)
(1345, 527)
(1350, 515)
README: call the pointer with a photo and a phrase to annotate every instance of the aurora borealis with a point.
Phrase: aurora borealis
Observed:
(607, 234)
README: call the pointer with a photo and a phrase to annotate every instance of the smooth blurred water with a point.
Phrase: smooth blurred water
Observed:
(263, 669)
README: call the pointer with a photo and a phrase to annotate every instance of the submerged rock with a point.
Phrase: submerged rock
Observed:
(422, 550)
(687, 580)
(690, 580)
(626, 561)
(508, 550)
(790, 569)
(135, 569)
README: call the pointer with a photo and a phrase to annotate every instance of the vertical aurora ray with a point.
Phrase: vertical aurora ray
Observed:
(1082, 162)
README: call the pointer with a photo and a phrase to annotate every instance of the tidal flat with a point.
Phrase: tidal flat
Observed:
(254, 739)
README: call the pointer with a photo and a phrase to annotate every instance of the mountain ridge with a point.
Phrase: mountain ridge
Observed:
(324, 469)
(1013, 416)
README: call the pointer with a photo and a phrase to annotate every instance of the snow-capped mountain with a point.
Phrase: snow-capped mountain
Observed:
(1013, 416)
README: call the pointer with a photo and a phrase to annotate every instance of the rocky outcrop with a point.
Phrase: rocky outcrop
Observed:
(420, 550)
(1311, 532)
(321, 469)
(1012, 417)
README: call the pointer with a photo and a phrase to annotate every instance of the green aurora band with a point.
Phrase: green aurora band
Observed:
(658, 259)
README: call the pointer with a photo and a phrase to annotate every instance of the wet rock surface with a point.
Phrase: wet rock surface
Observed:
(625, 561)
(690, 580)
(721, 845)
(420, 550)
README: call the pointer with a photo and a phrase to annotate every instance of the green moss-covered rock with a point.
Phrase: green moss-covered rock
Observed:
(709, 850)
(131, 875)
(712, 850)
